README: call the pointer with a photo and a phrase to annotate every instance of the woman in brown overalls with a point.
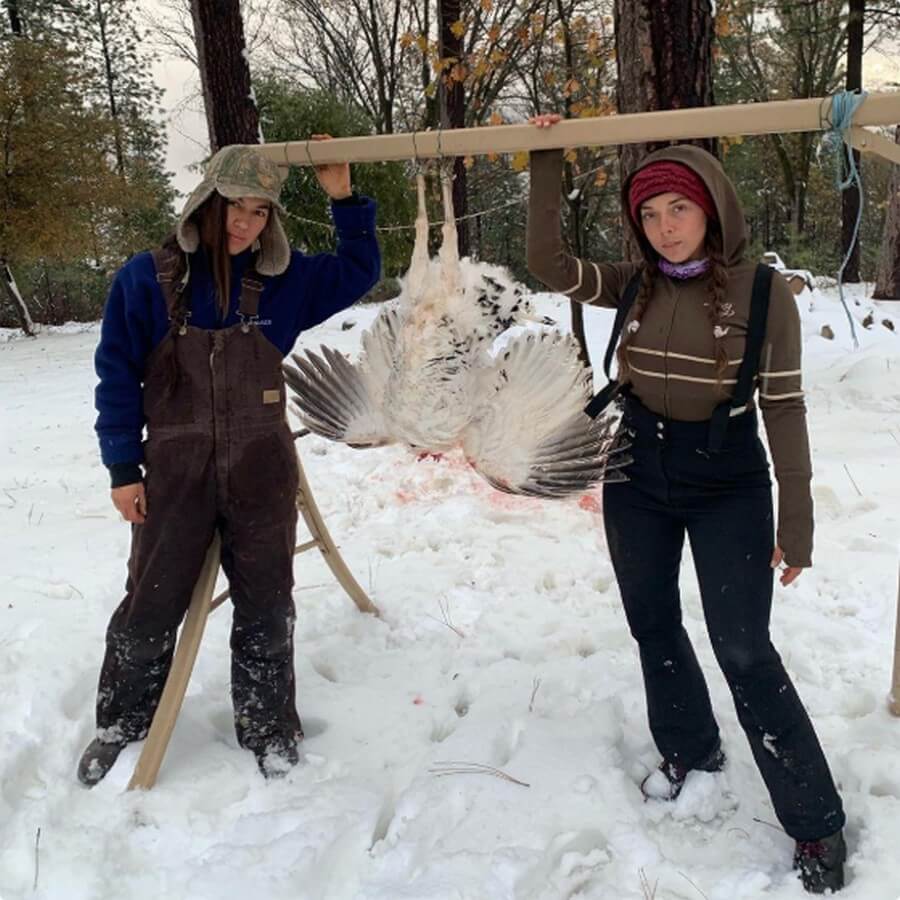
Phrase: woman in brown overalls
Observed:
(191, 348)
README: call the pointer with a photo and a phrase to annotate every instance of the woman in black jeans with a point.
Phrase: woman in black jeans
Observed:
(702, 329)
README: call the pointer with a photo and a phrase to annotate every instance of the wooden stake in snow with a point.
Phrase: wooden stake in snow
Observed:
(161, 728)
(894, 699)
(15, 295)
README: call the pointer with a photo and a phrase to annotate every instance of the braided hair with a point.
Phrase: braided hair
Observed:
(717, 287)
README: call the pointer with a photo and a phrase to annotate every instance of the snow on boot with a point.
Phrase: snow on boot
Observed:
(666, 782)
(275, 760)
(97, 760)
(821, 863)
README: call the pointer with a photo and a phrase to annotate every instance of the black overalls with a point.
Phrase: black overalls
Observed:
(218, 455)
(710, 480)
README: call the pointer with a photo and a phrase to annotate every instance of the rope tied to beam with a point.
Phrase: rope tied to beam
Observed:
(843, 107)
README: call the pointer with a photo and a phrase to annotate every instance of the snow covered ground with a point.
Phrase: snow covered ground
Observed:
(539, 676)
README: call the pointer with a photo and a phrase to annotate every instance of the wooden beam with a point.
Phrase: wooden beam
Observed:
(781, 116)
(870, 142)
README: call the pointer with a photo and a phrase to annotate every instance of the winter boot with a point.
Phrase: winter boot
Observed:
(277, 758)
(821, 863)
(97, 760)
(666, 782)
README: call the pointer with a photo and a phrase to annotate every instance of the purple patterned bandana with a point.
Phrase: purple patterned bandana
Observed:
(683, 270)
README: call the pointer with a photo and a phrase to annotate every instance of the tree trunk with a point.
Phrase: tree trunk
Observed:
(850, 197)
(15, 295)
(454, 113)
(110, 88)
(15, 23)
(574, 199)
(887, 281)
(231, 114)
(664, 61)
(6, 276)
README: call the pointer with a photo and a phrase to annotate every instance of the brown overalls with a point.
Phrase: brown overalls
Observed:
(219, 455)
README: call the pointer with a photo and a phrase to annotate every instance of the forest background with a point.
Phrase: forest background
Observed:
(84, 184)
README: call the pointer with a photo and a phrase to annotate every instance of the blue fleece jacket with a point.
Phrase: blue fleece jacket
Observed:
(135, 319)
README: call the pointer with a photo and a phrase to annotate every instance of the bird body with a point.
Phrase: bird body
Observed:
(428, 377)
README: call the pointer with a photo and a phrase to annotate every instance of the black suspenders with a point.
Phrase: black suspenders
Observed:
(749, 369)
(612, 388)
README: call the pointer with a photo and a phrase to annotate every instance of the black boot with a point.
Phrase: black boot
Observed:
(277, 758)
(666, 782)
(821, 863)
(97, 760)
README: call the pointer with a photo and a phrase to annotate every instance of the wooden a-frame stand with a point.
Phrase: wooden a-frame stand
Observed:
(202, 604)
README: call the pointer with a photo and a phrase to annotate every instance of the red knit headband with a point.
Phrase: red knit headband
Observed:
(664, 176)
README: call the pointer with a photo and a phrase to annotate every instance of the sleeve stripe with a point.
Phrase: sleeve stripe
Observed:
(599, 284)
(781, 396)
(784, 374)
(572, 290)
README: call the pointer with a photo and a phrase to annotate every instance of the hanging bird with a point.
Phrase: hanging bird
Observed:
(428, 378)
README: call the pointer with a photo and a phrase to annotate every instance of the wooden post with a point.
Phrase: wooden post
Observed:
(783, 116)
(894, 697)
(154, 748)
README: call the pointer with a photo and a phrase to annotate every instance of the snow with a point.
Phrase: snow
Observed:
(538, 676)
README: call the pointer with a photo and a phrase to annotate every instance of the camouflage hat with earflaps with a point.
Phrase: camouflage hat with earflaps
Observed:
(241, 171)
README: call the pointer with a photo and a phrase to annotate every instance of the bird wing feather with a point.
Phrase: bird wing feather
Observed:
(530, 434)
(343, 401)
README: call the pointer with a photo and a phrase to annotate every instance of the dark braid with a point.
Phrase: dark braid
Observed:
(648, 277)
(716, 292)
(168, 359)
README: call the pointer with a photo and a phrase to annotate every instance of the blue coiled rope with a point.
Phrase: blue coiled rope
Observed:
(843, 108)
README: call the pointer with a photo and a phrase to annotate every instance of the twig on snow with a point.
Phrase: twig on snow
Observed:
(455, 767)
(534, 689)
(694, 886)
(858, 491)
(37, 858)
(648, 892)
(770, 824)
(445, 619)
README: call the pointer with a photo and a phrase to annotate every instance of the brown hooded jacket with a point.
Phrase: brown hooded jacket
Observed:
(672, 355)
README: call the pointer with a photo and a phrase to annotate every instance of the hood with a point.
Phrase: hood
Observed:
(728, 207)
(240, 171)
